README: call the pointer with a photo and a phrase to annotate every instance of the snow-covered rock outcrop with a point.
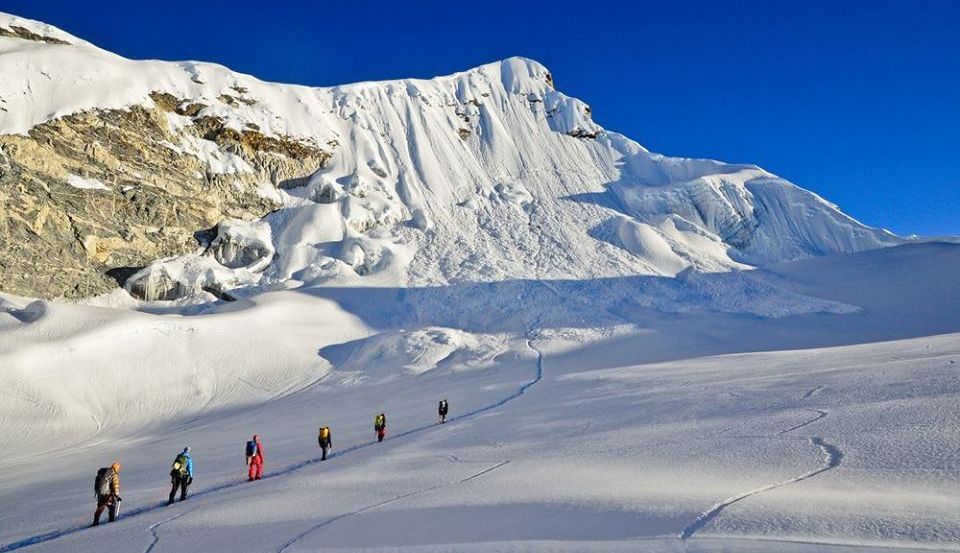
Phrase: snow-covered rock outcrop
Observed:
(486, 175)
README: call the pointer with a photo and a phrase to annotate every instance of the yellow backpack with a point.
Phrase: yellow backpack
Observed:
(325, 432)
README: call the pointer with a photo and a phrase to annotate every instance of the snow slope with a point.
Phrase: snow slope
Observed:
(485, 175)
(640, 352)
(699, 431)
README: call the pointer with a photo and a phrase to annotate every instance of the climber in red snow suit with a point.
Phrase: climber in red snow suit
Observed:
(255, 459)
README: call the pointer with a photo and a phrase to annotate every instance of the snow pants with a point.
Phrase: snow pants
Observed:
(108, 503)
(256, 469)
(381, 432)
(179, 482)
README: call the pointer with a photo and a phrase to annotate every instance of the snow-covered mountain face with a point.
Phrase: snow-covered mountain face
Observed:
(482, 176)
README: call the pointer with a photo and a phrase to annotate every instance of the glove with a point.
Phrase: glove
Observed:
(189, 480)
(119, 499)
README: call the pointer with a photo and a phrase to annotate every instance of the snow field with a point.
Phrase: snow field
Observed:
(637, 435)
(633, 454)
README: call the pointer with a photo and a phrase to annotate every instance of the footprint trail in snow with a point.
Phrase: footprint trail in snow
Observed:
(830, 455)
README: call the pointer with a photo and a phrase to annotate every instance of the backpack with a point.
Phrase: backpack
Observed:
(101, 486)
(325, 433)
(379, 422)
(251, 448)
(179, 467)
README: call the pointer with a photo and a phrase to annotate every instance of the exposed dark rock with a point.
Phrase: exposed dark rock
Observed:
(580, 132)
(122, 274)
(26, 34)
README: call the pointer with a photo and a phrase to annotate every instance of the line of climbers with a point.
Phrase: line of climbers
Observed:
(107, 483)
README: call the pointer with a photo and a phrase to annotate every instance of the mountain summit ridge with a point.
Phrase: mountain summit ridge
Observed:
(220, 182)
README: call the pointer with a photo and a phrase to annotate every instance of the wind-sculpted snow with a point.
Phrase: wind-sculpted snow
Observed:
(486, 175)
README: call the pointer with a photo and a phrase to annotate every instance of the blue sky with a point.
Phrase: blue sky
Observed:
(858, 101)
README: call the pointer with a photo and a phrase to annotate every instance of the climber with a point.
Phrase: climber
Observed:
(107, 489)
(181, 474)
(325, 440)
(380, 426)
(255, 458)
(442, 410)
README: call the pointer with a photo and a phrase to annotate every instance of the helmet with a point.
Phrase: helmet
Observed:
(186, 449)
(116, 466)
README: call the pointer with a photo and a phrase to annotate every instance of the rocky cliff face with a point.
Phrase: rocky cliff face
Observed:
(90, 197)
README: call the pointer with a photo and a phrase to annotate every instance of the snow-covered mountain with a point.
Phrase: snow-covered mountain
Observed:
(641, 353)
(486, 175)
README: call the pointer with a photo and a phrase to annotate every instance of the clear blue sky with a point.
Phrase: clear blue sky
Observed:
(858, 101)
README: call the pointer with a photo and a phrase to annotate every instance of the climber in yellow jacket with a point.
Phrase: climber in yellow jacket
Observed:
(107, 489)
(325, 441)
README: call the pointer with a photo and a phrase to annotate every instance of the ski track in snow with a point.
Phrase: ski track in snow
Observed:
(818, 414)
(57, 534)
(379, 504)
(807, 395)
(831, 455)
(484, 471)
(810, 393)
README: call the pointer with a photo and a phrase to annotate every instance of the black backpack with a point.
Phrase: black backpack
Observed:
(251, 448)
(101, 486)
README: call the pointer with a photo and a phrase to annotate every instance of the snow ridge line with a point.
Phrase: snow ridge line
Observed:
(286, 471)
(362, 510)
(831, 459)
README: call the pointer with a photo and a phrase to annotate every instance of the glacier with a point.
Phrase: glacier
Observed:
(641, 352)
